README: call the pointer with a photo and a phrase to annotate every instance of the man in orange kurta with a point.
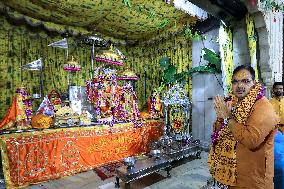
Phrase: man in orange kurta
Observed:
(249, 127)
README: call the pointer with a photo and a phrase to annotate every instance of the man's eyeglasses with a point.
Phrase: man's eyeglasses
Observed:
(243, 81)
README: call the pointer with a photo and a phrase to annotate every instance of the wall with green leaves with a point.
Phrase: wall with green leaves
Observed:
(20, 45)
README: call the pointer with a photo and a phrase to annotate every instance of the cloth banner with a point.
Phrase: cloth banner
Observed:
(252, 40)
(227, 63)
(61, 44)
(34, 65)
(33, 157)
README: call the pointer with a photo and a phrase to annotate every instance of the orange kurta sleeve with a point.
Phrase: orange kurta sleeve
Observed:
(260, 123)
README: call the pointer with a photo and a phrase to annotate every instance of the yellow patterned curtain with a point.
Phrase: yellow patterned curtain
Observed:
(19, 46)
(252, 40)
(226, 50)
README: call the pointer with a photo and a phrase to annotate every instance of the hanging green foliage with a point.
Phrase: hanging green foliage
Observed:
(201, 69)
(213, 66)
(196, 37)
(129, 20)
(213, 59)
(171, 76)
(180, 77)
(139, 8)
(187, 33)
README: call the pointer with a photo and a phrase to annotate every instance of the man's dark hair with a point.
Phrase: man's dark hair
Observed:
(277, 83)
(245, 67)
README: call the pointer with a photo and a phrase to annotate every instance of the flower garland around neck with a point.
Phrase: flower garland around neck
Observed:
(215, 135)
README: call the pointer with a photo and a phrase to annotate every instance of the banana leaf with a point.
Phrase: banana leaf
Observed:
(179, 77)
(169, 74)
(213, 59)
(201, 69)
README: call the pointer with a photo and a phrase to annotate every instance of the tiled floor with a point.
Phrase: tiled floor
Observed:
(186, 174)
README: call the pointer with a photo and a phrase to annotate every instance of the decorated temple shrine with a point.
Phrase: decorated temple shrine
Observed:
(127, 88)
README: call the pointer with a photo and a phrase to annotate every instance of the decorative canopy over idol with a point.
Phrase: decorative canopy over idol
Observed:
(72, 65)
(111, 56)
(128, 75)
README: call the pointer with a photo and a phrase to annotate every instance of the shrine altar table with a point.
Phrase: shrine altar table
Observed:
(33, 157)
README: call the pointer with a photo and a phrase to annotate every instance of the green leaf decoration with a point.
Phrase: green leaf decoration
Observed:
(188, 33)
(201, 69)
(169, 74)
(213, 59)
(165, 62)
(196, 37)
(179, 77)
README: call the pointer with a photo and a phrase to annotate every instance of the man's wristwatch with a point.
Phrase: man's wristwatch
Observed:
(226, 120)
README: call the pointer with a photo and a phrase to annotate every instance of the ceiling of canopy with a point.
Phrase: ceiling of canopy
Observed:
(120, 19)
